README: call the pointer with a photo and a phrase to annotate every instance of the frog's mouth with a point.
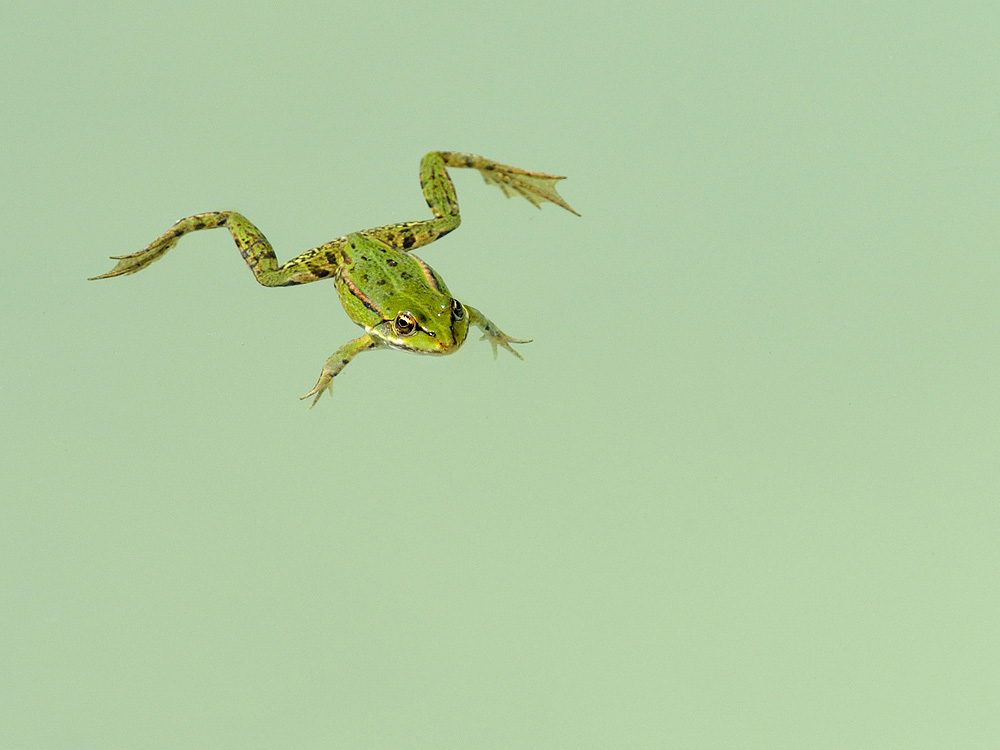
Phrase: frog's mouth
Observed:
(437, 342)
(436, 345)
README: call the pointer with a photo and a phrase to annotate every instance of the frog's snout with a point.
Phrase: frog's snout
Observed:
(445, 343)
(447, 340)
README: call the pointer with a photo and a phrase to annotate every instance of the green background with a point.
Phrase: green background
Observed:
(742, 492)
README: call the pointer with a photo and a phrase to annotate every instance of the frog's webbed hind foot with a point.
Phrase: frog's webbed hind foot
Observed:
(537, 187)
(135, 262)
(156, 249)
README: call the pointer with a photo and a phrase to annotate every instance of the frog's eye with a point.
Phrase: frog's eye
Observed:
(457, 311)
(404, 324)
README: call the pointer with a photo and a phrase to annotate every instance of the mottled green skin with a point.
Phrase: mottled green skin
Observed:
(399, 300)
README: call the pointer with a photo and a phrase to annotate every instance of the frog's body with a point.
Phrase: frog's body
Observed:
(397, 298)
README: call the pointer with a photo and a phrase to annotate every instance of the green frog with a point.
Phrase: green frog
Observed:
(400, 301)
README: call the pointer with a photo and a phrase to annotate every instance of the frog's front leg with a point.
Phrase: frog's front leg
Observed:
(493, 334)
(337, 362)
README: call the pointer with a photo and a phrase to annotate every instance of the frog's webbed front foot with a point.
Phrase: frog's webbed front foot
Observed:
(337, 362)
(493, 334)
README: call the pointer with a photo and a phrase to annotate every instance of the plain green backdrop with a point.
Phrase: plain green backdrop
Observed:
(742, 492)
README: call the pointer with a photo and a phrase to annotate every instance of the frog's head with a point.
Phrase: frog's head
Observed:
(423, 327)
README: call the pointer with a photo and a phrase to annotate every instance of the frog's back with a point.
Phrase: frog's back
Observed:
(385, 271)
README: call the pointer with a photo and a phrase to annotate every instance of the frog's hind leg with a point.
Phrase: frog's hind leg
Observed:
(252, 244)
(439, 192)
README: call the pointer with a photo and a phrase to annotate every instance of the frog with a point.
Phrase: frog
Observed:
(397, 298)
